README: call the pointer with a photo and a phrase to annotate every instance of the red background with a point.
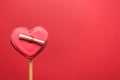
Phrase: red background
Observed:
(84, 39)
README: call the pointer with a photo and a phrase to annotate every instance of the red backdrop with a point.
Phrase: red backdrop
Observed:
(84, 39)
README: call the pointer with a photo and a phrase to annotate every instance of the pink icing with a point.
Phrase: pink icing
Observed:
(26, 48)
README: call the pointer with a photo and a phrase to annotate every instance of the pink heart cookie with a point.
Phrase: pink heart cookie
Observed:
(29, 49)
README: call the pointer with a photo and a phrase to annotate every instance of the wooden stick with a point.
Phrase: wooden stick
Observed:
(30, 69)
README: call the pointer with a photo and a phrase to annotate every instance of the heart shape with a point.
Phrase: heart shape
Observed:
(29, 49)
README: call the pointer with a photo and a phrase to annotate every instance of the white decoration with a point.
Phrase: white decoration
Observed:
(28, 38)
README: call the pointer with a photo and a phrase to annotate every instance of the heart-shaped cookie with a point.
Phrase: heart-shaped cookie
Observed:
(27, 41)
